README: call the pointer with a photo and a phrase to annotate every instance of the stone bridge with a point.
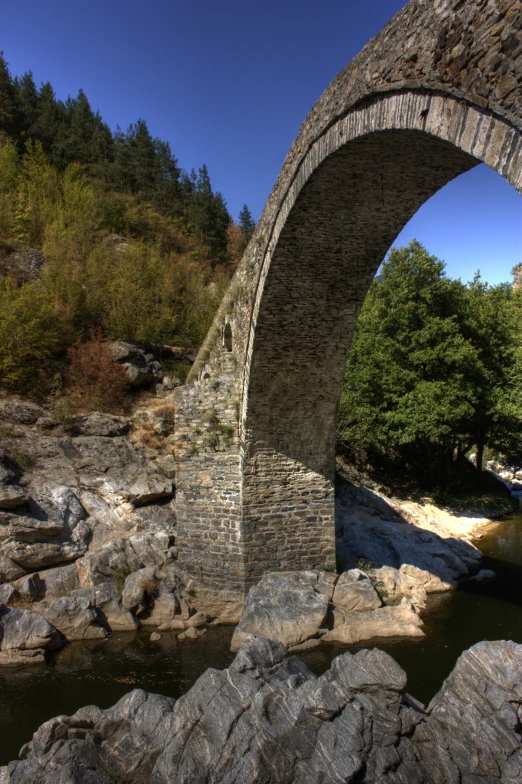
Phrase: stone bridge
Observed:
(438, 91)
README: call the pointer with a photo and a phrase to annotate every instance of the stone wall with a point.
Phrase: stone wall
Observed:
(436, 92)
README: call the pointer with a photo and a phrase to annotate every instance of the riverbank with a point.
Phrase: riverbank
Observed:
(101, 672)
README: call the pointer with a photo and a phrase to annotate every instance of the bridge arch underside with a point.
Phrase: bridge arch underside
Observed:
(334, 236)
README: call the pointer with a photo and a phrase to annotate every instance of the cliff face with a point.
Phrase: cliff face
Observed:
(269, 719)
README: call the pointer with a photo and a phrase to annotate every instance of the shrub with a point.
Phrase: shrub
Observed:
(95, 381)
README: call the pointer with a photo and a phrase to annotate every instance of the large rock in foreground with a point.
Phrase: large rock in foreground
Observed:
(268, 719)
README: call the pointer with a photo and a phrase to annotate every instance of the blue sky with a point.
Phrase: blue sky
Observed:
(228, 84)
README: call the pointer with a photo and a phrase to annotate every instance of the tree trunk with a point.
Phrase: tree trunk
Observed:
(429, 462)
(480, 456)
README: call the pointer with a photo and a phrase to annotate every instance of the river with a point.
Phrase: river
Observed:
(101, 672)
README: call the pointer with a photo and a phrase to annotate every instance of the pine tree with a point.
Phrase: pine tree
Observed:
(27, 99)
(8, 103)
(246, 223)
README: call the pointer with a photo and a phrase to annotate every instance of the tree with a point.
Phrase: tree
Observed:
(27, 100)
(432, 365)
(8, 105)
(491, 323)
(33, 333)
(246, 223)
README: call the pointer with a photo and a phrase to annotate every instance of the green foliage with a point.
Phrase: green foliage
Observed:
(72, 188)
(435, 367)
(33, 334)
(364, 565)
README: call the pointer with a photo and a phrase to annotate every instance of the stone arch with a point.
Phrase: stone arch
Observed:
(377, 145)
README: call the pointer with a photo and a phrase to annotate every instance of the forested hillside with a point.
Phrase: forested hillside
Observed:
(135, 247)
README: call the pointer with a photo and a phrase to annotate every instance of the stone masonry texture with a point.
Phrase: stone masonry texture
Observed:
(438, 91)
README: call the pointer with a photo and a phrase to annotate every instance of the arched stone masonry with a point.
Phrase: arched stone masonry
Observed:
(255, 440)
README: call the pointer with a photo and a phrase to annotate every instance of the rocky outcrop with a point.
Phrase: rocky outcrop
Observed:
(269, 719)
(140, 366)
(297, 608)
(20, 264)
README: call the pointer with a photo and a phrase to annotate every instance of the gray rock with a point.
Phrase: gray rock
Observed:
(141, 367)
(31, 529)
(283, 606)
(7, 593)
(12, 496)
(121, 350)
(29, 587)
(155, 636)
(158, 517)
(384, 544)
(98, 508)
(483, 576)
(268, 719)
(190, 634)
(99, 424)
(354, 626)
(75, 617)
(25, 636)
(166, 605)
(138, 587)
(149, 488)
(9, 570)
(354, 591)
(20, 411)
(197, 620)
(37, 556)
(167, 465)
(45, 423)
(59, 581)
(106, 599)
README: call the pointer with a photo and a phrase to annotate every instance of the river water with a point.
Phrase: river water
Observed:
(101, 672)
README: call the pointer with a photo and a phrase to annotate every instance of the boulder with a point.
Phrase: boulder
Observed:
(31, 529)
(53, 530)
(355, 591)
(12, 496)
(98, 508)
(139, 586)
(7, 593)
(106, 599)
(149, 488)
(284, 606)
(140, 366)
(9, 570)
(269, 720)
(75, 617)
(59, 581)
(37, 556)
(25, 637)
(485, 575)
(397, 621)
(100, 424)
(21, 411)
(166, 605)
(29, 587)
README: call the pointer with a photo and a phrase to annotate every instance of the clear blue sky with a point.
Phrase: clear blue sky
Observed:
(228, 84)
